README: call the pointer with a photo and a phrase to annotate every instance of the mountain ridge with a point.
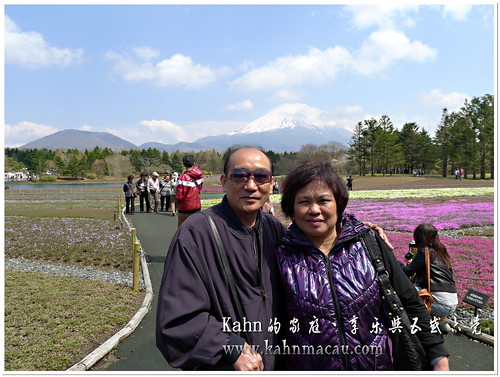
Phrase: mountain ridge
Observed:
(285, 128)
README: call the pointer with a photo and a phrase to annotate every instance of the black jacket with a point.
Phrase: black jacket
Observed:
(441, 276)
(194, 297)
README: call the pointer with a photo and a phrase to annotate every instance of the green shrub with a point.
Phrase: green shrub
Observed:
(487, 326)
(48, 178)
(91, 176)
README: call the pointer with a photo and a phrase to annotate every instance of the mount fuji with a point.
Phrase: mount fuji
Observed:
(286, 128)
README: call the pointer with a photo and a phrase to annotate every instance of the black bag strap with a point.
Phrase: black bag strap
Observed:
(407, 351)
(225, 264)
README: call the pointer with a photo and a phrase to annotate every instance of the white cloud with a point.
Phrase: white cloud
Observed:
(453, 101)
(86, 127)
(25, 132)
(146, 53)
(165, 130)
(284, 95)
(29, 49)
(317, 66)
(177, 71)
(385, 47)
(457, 11)
(378, 52)
(382, 15)
(241, 106)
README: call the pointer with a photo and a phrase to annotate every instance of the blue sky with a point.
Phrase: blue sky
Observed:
(170, 73)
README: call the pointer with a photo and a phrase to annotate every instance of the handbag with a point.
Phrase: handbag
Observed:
(425, 294)
(407, 351)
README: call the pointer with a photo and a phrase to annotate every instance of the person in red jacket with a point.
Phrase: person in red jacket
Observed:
(189, 187)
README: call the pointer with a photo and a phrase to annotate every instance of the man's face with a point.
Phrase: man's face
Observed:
(248, 197)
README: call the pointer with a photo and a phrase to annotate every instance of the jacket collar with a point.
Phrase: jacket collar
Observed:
(226, 211)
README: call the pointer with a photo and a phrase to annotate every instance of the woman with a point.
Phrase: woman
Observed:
(165, 189)
(442, 284)
(173, 199)
(332, 296)
(128, 189)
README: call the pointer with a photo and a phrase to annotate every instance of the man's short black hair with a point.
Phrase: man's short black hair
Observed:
(188, 160)
(307, 171)
(234, 148)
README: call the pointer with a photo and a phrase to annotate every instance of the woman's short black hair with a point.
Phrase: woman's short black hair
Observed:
(308, 171)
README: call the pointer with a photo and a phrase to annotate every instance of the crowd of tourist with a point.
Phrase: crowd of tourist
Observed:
(154, 195)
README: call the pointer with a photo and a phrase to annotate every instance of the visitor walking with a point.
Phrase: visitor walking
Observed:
(154, 193)
(142, 188)
(129, 190)
(188, 190)
(165, 188)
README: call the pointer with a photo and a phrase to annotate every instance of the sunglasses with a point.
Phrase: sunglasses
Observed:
(260, 176)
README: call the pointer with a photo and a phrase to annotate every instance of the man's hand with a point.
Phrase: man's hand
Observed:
(249, 360)
(381, 233)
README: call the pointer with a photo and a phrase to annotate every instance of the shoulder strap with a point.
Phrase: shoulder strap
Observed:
(408, 353)
(428, 268)
(225, 263)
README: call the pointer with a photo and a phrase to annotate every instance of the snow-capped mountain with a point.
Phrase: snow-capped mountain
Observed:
(285, 128)
(285, 116)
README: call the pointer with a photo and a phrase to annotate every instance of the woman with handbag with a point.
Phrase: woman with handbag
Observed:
(440, 281)
(338, 280)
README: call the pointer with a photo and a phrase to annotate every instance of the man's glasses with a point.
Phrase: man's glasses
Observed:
(260, 176)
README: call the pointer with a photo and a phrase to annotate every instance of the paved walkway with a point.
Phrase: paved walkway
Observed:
(138, 352)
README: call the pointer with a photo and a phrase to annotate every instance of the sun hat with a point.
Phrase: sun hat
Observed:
(155, 174)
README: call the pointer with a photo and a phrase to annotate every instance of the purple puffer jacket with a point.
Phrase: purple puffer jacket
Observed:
(339, 292)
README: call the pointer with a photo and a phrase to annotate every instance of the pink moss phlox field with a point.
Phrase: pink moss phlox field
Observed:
(471, 257)
(443, 213)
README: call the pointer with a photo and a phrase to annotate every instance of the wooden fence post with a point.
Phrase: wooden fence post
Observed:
(137, 255)
(120, 207)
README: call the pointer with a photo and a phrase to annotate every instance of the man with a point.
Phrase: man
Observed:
(189, 187)
(197, 322)
(154, 192)
(196, 317)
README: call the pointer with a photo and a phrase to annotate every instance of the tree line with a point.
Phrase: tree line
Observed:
(103, 162)
(463, 139)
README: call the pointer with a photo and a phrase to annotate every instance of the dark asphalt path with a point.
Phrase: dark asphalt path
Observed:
(138, 352)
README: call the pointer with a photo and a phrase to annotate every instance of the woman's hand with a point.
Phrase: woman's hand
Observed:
(441, 365)
(381, 233)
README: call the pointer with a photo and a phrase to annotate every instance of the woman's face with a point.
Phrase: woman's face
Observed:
(315, 211)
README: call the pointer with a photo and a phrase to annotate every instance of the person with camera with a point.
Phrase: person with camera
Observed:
(442, 285)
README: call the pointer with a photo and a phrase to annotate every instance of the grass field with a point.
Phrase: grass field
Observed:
(51, 322)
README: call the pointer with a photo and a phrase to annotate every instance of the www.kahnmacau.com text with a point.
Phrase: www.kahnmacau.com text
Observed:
(285, 349)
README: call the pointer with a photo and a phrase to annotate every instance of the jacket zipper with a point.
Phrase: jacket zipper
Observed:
(338, 315)
(258, 258)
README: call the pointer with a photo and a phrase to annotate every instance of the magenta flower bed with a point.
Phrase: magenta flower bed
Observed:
(472, 257)
(213, 189)
(406, 214)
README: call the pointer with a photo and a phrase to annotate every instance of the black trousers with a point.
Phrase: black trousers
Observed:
(129, 204)
(143, 197)
(166, 200)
